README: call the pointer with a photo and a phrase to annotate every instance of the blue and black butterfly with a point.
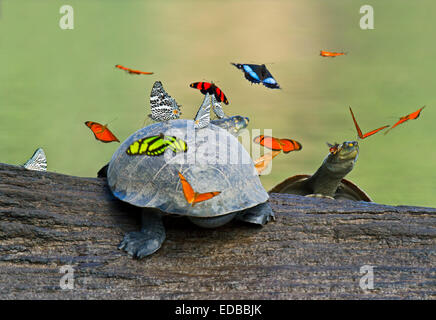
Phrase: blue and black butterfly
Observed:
(257, 73)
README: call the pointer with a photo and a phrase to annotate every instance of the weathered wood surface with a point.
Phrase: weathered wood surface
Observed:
(314, 249)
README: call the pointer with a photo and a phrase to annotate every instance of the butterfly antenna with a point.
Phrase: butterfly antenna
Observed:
(112, 120)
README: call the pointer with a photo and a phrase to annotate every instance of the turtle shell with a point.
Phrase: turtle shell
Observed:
(346, 189)
(214, 161)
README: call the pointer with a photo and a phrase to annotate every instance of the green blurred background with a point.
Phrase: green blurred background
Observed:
(52, 80)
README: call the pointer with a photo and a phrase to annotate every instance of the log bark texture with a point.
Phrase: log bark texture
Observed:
(314, 250)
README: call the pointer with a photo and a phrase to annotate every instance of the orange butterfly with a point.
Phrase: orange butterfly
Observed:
(101, 132)
(131, 71)
(331, 54)
(194, 197)
(359, 132)
(287, 145)
(412, 116)
(262, 162)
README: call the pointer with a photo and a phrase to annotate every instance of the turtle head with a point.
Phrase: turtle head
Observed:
(238, 123)
(349, 150)
(342, 157)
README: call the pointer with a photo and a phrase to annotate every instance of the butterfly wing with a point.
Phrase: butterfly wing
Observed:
(370, 133)
(219, 95)
(262, 162)
(204, 87)
(150, 146)
(176, 145)
(37, 162)
(412, 116)
(289, 145)
(163, 107)
(415, 115)
(188, 192)
(199, 197)
(359, 132)
(193, 197)
(268, 142)
(131, 71)
(202, 118)
(101, 133)
(259, 139)
(252, 72)
(217, 109)
(268, 80)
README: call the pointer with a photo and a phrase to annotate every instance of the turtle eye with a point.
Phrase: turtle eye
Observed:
(175, 112)
(351, 144)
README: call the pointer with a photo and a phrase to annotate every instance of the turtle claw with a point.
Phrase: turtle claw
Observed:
(140, 244)
(319, 195)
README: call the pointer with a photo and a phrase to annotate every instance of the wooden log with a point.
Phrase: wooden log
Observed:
(315, 248)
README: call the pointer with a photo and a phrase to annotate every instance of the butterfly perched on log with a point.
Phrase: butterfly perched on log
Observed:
(193, 197)
(412, 116)
(359, 132)
(131, 71)
(285, 145)
(37, 162)
(256, 73)
(211, 88)
(162, 106)
(202, 118)
(156, 145)
(331, 54)
(101, 132)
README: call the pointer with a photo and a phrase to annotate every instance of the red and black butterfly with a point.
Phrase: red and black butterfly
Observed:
(211, 88)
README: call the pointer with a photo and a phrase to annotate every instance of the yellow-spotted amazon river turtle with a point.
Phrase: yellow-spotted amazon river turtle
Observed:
(328, 181)
(214, 165)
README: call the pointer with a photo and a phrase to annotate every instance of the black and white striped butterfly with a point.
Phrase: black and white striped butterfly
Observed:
(163, 107)
(202, 119)
(37, 162)
(217, 109)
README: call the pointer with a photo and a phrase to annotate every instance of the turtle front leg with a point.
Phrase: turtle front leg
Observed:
(260, 214)
(140, 244)
(319, 195)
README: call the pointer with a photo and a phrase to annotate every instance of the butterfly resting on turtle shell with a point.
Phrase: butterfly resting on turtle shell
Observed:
(156, 145)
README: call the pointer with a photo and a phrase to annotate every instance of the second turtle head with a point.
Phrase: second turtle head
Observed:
(342, 157)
